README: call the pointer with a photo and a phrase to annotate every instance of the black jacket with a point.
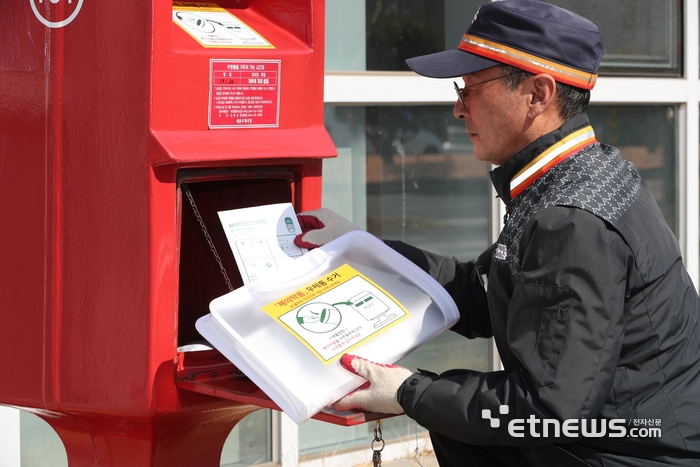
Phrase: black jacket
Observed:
(594, 316)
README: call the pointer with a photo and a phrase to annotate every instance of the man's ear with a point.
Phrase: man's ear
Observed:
(543, 90)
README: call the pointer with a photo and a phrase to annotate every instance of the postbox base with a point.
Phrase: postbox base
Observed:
(176, 438)
(164, 441)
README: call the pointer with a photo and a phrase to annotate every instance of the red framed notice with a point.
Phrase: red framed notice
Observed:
(244, 93)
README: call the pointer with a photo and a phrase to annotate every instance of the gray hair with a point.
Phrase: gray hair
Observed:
(572, 101)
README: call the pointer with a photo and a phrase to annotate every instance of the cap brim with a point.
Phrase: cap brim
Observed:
(449, 64)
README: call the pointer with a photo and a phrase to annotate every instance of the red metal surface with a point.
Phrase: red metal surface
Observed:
(97, 119)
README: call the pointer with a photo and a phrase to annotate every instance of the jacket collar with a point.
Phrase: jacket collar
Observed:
(526, 166)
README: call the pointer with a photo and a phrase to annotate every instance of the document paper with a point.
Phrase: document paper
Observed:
(262, 238)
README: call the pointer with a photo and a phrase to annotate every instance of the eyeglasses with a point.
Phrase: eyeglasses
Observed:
(461, 92)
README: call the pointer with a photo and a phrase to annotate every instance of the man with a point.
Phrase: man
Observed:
(584, 293)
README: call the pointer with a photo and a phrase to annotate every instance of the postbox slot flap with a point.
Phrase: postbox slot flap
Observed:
(208, 372)
(178, 147)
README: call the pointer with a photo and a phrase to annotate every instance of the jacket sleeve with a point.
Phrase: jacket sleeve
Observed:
(565, 327)
(462, 282)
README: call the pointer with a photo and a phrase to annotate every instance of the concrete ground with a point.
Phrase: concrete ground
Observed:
(425, 460)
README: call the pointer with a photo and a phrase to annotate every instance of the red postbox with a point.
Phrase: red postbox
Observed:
(108, 110)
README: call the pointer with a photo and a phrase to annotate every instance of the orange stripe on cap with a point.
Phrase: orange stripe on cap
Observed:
(526, 61)
(551, 157)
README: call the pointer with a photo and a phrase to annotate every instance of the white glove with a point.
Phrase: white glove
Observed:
(379, 393)
(320, 227)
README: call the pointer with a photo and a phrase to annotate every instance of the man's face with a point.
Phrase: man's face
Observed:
(494, 116)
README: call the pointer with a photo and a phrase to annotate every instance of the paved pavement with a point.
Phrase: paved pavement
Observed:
(425, 459)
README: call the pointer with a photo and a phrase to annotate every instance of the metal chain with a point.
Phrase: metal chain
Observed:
(415, 455)
(377, 453)
(186, 190)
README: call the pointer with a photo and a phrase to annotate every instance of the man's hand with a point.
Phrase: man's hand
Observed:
(320, 227)
(379, 393)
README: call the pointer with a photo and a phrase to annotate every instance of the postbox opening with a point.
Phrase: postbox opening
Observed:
(201, 278)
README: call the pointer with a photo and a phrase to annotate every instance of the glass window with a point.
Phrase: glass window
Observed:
(249, 443)
(378, 35)
(406, 173)
(39, 443)
(646, 135)
(642, 37)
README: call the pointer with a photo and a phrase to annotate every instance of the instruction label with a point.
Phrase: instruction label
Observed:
(213, 26)
(337, 313)
(244, 93)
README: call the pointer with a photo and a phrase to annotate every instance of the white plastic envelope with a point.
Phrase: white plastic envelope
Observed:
(287, 330)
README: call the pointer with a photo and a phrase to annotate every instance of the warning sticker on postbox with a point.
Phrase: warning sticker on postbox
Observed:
(337, 313)
(213, 26)
(244, 93)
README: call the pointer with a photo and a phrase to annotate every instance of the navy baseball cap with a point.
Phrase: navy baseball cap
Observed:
(531, 35)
